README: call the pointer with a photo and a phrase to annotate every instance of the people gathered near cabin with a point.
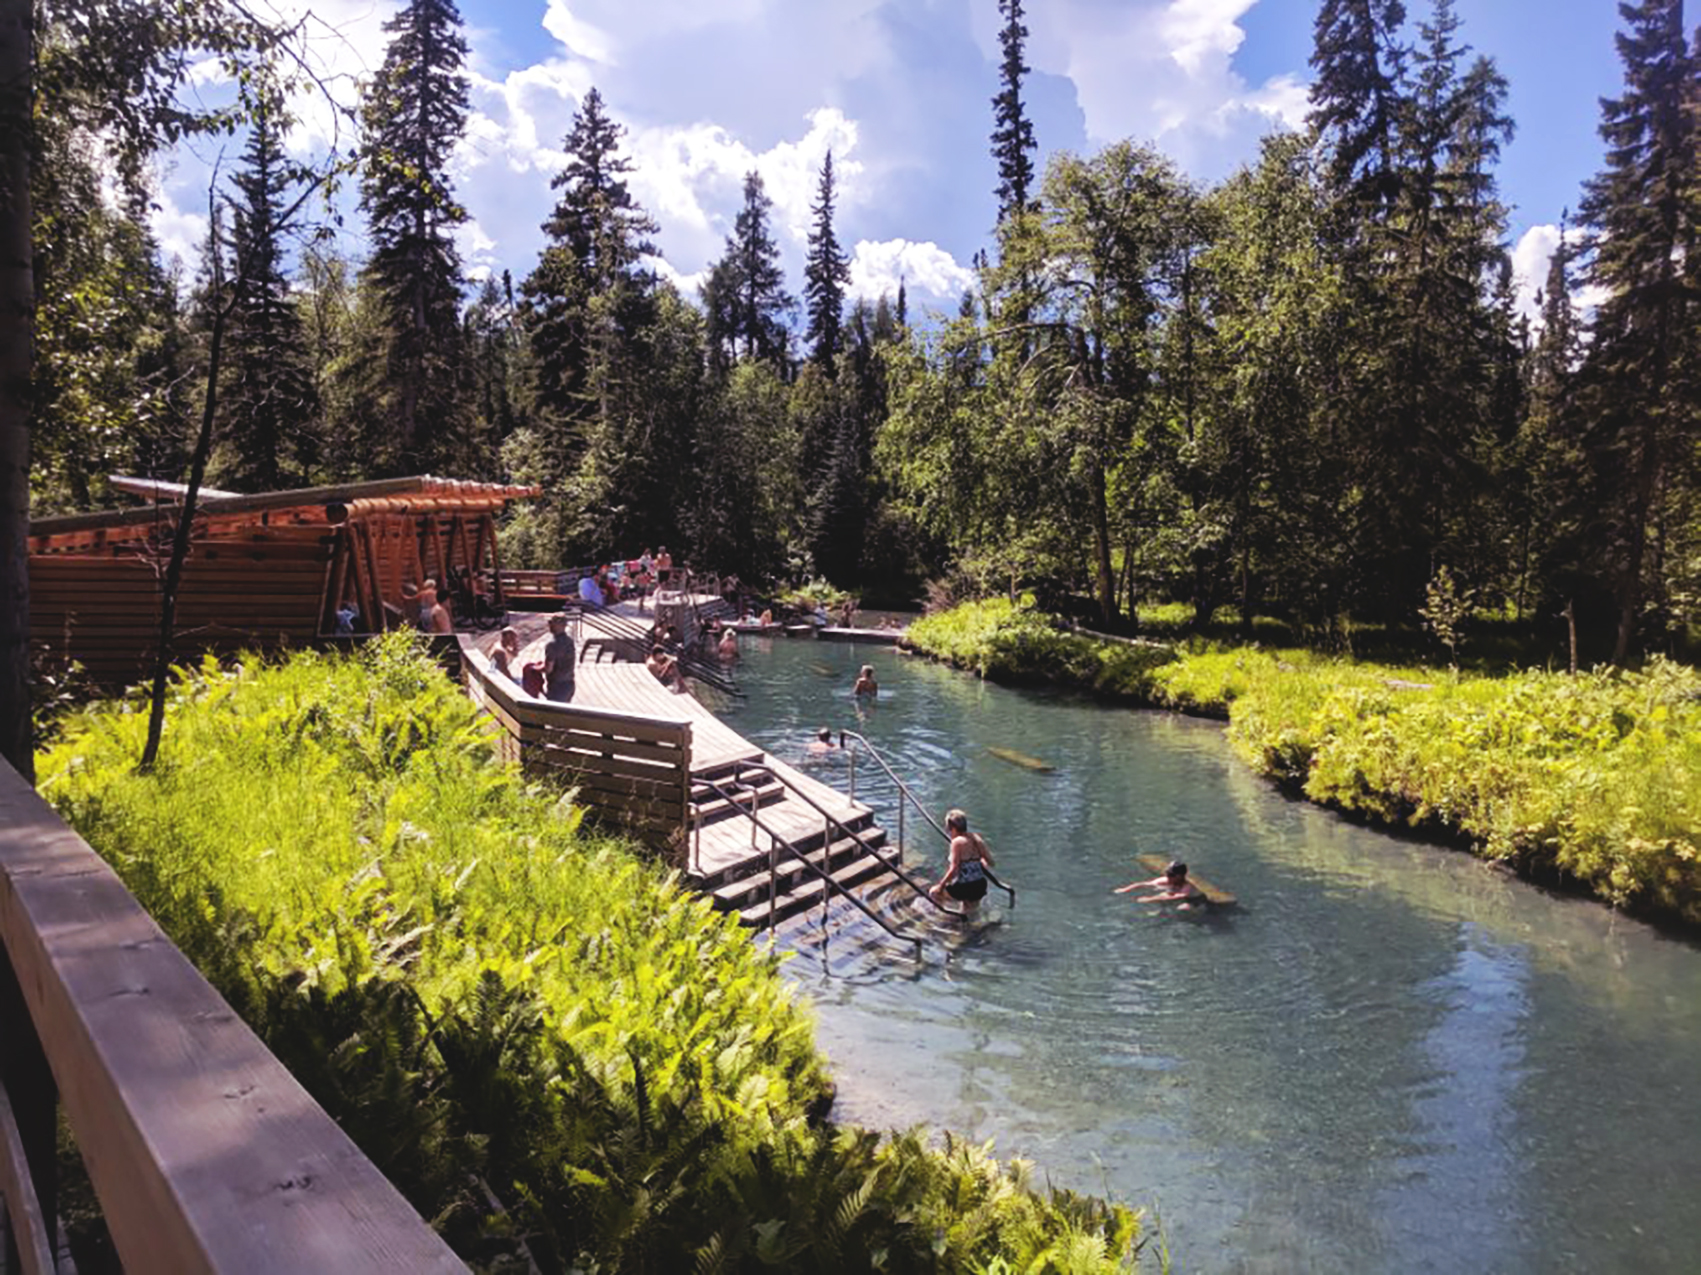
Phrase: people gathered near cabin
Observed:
(865, 683)
(558, 663)
(1172, 886)
(433, 615)
(965, 876)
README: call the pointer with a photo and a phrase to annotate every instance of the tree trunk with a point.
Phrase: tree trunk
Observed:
(1106, 580)
(17, 353)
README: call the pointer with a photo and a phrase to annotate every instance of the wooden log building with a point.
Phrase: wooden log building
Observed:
(264, 571)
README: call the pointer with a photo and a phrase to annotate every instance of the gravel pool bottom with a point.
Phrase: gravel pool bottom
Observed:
(1390, 1058)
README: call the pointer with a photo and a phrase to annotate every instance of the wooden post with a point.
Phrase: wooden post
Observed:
(29, 1090)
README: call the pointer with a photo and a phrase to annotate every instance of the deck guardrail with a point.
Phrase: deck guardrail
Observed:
(205, 1153)
(631, 769)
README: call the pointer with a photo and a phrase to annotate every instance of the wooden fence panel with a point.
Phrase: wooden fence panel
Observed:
(630, 769)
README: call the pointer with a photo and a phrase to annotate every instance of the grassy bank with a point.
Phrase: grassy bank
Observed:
(554, 1052)
(1594, 779)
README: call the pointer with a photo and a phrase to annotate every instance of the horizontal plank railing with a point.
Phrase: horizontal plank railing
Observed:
(631, 769)
(204, 1152)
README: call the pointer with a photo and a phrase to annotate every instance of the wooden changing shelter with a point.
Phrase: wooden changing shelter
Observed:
(266, 570)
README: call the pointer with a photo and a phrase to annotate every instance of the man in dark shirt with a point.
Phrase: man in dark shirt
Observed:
(558, 661)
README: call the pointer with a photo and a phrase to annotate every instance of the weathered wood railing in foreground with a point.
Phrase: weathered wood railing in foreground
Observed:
(204, 1152)
(631, 770)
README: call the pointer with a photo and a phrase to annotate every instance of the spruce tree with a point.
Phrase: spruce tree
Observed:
(1012, 133)
(745, 297)
(1355, 96)
(415, 112)
(825, 275)
(597, 235)
(1639, 380)
(270, 400)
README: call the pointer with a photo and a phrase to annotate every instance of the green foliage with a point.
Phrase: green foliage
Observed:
(1595, 778)
(553, 1050)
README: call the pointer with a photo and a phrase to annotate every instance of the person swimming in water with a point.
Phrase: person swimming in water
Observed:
(965, 877)
(1172, 886)
(823, 742)
(865, 683)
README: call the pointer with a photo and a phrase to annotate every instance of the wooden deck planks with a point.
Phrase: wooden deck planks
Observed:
(632, 689)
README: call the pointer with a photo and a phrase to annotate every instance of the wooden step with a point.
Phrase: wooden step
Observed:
(708, 805)
(807, 894)
(752, 888)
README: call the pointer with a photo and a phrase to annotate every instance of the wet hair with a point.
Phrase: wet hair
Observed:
(956, 821)
(1176, 869)
(824, 735)
(658, 649)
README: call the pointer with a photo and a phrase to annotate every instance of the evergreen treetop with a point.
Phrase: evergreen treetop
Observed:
(1013, 141)
(825, 275)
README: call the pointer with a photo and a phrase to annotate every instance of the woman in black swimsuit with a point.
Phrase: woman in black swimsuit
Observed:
(965, 877)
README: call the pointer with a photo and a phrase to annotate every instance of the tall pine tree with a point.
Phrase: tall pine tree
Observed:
(745, 295)
(415, 112)
(1013, 142)
(270, 399)
(825, 274)
(597, 235)
(1640, 379)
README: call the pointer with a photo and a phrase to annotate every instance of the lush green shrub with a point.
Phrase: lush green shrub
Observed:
(535, 1034)
(1596, 778)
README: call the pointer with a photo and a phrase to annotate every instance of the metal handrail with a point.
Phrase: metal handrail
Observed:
(904, 792)
(742, 767)
(777, 839)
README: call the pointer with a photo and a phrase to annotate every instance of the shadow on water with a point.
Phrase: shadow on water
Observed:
(1389, 1057)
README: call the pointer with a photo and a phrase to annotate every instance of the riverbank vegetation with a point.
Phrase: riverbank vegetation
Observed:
(557, 1054)
(1593, 779)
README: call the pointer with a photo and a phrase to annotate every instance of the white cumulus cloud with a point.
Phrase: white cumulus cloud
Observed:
(923, 268)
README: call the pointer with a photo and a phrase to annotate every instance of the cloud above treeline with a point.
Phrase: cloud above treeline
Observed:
(898, 90)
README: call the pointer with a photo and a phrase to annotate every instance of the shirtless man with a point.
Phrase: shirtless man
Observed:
(1173, 887)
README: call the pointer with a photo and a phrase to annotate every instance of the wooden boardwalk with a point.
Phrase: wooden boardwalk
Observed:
(633, 689)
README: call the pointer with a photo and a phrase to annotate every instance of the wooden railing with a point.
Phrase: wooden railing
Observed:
(204, 1152)
(632, 770)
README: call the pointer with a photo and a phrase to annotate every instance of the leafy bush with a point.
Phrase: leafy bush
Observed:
(1595, 778)
(559, 1056)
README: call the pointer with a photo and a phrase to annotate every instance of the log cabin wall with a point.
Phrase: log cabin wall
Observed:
(263, 572)
(261, 589)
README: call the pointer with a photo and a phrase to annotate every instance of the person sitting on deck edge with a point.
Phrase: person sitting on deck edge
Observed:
(1173, 887)
(965, 875)
(590, 592)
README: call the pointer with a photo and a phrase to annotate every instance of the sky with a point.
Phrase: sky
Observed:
(900, 91)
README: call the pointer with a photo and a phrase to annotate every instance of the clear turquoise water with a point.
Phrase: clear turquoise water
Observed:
(1390, 1058)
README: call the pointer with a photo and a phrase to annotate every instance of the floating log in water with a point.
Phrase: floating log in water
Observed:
(1214, 895)
(1022, 759)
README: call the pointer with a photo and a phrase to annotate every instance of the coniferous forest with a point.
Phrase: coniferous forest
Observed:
(1306, 393)
(1303, 392)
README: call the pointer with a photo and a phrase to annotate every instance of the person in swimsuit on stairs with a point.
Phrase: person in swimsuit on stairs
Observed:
(965, 877)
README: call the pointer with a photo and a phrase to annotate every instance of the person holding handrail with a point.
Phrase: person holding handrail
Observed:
(965, 875)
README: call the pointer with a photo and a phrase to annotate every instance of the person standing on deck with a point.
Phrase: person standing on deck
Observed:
(433, 615)
(558, 661)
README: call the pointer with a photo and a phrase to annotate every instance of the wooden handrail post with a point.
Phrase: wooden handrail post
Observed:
(28, 1083)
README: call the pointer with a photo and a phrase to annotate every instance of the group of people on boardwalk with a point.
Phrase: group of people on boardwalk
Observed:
(550, 678)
